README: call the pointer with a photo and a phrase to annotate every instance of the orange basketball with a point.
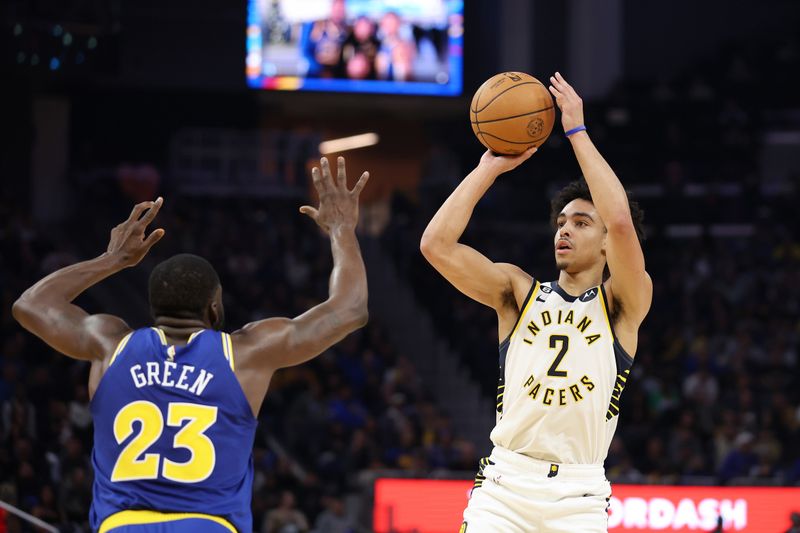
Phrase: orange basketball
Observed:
(512, 112)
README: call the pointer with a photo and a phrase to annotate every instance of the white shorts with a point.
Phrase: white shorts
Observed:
(517, 494)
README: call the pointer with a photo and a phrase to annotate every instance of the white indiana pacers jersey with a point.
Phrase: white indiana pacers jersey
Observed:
(561, 376)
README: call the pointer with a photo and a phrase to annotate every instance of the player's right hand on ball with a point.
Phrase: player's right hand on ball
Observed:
(338, 206)
(504, 163)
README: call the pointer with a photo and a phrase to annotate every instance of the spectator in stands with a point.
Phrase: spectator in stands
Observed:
(285, 518)
(324, 42)
(395, 59)
(741, 461)
(333, 519)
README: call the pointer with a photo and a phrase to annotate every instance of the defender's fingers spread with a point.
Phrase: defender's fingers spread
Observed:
(341, 175)
(138, 209)
(361, 183)
(154, 237)
(309, 211)
(316, 177)
(326, 169)
(152, 212)
(555, 92)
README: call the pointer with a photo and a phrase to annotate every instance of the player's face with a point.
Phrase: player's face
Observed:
(363, 29)
(579, 241)
(390, 24)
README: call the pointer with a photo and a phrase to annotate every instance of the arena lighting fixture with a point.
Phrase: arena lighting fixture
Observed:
(348, 143)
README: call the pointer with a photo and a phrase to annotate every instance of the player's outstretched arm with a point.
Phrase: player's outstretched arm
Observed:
(630, 284)
(472, 273)
(47, 311)
(280, 342)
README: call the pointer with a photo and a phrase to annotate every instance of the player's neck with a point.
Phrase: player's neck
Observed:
(576, 283)
(179, 329)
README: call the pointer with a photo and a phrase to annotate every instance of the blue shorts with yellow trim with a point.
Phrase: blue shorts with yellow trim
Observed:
(187, 525)
(154, 522)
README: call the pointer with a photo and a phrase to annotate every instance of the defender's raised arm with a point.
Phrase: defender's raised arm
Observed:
(282, 342)
(47, 311)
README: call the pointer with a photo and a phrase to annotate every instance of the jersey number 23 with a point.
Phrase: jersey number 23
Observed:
(135, 463)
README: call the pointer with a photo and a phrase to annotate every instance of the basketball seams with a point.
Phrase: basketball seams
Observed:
(502, 123)
(477, 98)
(501, 93)
(486, 143)
(532, 141)
(478, 122)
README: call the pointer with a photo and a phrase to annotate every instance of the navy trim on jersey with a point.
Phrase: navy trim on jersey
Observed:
(519, 317)
(623, 359)
(501, 380)
(586, 296)
(561, 292)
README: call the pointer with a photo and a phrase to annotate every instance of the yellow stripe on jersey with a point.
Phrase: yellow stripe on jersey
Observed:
(224, 347)
(227, 348)
(161, 336)
(195, 334)
(120, 347)
(525, 309)
(230, 350)
(135, 518)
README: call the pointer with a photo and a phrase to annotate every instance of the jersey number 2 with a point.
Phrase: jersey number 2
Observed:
(564, 341)
(134, 463)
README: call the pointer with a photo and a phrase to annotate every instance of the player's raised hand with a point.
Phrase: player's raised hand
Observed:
(338, 205)
(568, 102)
(128, 241)
(504, 163)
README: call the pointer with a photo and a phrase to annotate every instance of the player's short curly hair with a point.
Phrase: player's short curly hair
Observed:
(182, 287)
(579, 189)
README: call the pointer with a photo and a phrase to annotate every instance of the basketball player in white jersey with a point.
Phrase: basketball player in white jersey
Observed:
(566, 346)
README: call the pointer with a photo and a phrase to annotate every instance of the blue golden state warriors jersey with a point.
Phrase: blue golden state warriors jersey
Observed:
(173, 431)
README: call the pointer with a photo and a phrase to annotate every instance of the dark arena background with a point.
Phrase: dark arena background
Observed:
(219, 107)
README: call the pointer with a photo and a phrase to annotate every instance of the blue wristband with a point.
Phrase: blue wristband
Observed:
(575, 130)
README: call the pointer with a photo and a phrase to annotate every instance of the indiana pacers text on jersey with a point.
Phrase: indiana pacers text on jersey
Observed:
(562, 374)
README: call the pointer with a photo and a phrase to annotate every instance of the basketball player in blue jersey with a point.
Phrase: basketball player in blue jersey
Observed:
(566, 346)
(175, 405)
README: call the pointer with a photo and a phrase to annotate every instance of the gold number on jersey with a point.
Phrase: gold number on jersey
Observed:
(131, 465)
(191, 437)
(564, 341)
